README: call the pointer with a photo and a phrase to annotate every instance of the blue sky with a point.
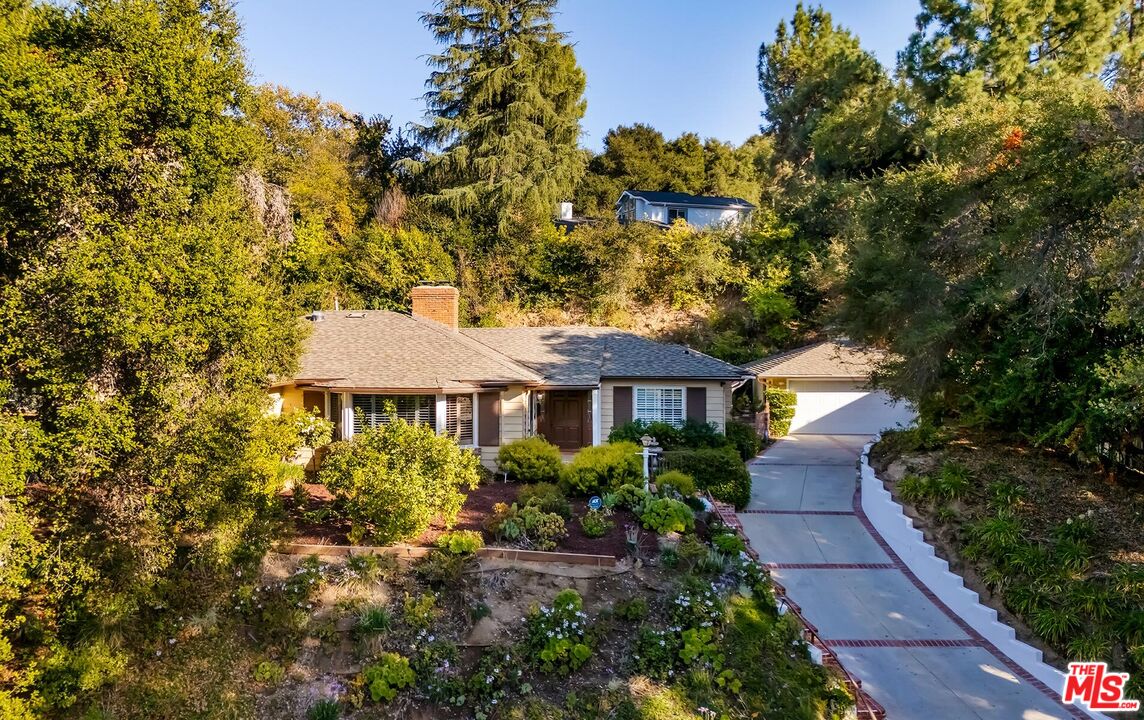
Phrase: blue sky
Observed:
(678, 65)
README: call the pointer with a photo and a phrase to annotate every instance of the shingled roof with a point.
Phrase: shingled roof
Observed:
(828, 359)
(678, 198)
(380, 350)
(582, 355)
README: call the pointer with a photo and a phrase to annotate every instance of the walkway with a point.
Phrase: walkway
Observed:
(913, 655)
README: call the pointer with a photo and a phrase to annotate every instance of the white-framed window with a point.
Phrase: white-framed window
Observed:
(676, 213)
(459, 418)
(659, 404)
(378, 409)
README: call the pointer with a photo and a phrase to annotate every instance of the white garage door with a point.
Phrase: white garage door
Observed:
(842, 407)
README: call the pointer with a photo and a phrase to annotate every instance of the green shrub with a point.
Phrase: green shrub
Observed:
(602, 468)
(695, 434)
(666, 434)
(556, 633)
(269, 672)
(546, 497)
(531, 460)
(393, 480)
(728, 543)
(655, 653)
(781, 403)
(743, 437)
(324, 709)
(527, 526)
(681, 483)
(595, 524)
(629, 497)
(692, 434)
(461, 542)
(632, 610)
(384, 678)
(440, 569)
(665, 515)
(719, 471)
(313, 430)
(420, 612)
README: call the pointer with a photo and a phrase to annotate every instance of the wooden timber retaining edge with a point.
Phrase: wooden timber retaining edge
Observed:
(415, 551)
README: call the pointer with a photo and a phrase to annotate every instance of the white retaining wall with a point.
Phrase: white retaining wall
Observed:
(899, 532)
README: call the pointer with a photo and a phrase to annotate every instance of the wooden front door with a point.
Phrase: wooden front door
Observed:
(566, 419)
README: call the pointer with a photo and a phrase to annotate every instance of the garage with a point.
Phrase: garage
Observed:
(830, 380)
(844, 407)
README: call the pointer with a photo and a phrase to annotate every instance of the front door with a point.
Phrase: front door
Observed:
(566, 419)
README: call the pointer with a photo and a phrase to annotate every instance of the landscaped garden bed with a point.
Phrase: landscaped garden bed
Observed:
(1055, 548)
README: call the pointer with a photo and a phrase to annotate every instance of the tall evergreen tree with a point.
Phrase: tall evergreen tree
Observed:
(1006, 43)
(506, 100)
(812, 68)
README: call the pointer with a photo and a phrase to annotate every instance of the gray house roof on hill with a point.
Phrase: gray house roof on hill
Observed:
(678, 198)
(381, 350)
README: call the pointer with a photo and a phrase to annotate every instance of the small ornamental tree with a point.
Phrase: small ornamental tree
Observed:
(392, 480)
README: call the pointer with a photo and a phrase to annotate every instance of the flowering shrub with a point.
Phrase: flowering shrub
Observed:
(282, 607)
(313, 431)
(595, 524)
(384, 678)
(664, 515)
(498, 673)
(438, 672)
(696, 607)
(556, 634)
(655, 652)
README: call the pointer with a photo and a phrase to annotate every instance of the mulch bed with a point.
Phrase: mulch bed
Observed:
(478, 506)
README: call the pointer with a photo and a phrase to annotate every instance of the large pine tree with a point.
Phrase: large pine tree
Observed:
(505, 100)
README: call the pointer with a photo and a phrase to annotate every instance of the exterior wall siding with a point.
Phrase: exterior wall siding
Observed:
(718, 400)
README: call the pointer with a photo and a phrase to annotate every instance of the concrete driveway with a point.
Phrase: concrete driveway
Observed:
(913, 656)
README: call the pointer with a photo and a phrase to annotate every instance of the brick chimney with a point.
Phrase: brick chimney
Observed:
(436, 302)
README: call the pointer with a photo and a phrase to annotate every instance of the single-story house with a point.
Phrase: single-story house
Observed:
(490, 386)
(664, 208)
(830, 380)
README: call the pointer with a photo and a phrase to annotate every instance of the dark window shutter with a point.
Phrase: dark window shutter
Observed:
(697, 404)
(312, 399)
(621, 404)
(488, 427)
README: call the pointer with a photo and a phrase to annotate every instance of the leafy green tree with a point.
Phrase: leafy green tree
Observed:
(506, 99)
(138, 323)
(999, 270)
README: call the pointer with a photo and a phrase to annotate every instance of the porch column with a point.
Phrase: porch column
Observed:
(442, 410)
(476, 422)
(596, 423)
(347, 416)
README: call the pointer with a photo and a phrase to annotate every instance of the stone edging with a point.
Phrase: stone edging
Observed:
(906, 545)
